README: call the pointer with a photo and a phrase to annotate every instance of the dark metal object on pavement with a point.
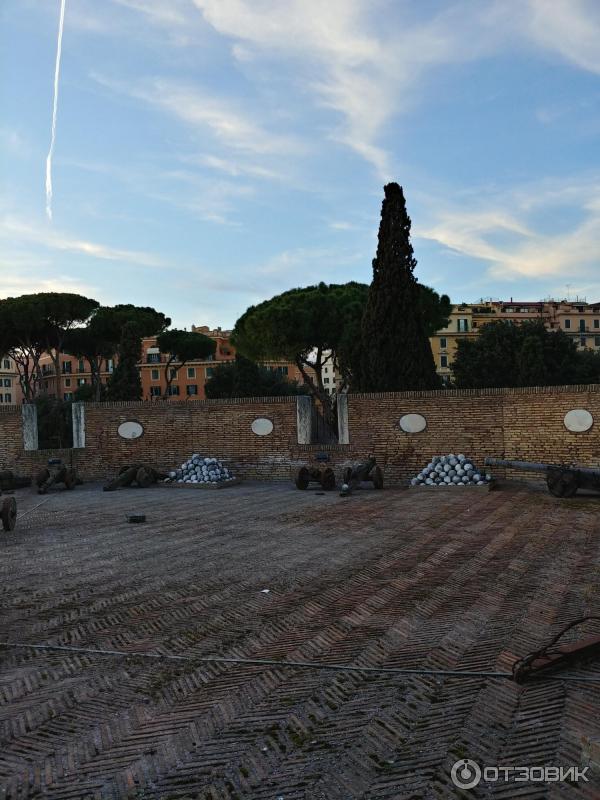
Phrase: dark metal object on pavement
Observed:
(136, 518)
(549, 657)
(58, 473)
(8, 513)
(562, 480)
(365, 471)
(324, 476)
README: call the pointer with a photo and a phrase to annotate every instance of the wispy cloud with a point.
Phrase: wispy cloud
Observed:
(19, 231)
(204, 112)
(349, 62)
(568, 27)
(504, 229)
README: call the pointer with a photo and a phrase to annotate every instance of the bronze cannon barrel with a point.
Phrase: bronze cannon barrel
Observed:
(530, 466)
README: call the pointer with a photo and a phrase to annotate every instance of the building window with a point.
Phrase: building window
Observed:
(443, 361)
(6, 363)
(191, 389)
(191, 372)
(68, 396)
(567, 323)
(67, 367)
(597, 341)
(597, 323)
(582, 341)
(209, 372)
(581, 324)
(173, 373)
(155, 391)
(81, 381)
(325, 380)
(326, 370)
(109, 365)
(7, 382)
(1, 397)
(174, 391)
(8, 398)
(443, 342)
(153, 358)
(67, 381)
(81, 366)
(155, 374)
(462, 325)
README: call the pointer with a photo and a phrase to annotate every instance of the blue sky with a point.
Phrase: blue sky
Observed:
(212, 153)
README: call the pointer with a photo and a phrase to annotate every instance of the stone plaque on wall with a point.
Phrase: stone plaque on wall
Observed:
(413, 423)
(578, 420)
(262, 426)
(130, 430)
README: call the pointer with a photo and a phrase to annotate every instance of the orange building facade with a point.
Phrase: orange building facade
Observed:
(188, 380)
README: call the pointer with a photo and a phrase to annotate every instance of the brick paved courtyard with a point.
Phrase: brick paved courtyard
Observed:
(456, 579)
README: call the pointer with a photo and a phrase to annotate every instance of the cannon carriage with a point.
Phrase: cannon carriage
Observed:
(56, 472)
(562, 480)
(367, 470)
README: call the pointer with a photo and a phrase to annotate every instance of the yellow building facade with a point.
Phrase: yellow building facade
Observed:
(577, 319)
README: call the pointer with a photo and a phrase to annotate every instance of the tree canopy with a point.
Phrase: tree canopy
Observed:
(395, 349)
(308, 326)
(125, 382)
(245, 378)
(183, 346)
(505, 355)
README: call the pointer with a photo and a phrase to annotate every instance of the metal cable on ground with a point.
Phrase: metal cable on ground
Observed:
(29, 510)
(267, 662)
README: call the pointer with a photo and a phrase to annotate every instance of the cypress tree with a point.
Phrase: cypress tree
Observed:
(125, 382)
(395, 350)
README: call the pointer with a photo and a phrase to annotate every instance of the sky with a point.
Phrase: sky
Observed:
(210, 154)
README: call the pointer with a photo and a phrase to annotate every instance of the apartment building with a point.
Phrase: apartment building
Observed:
(10, 387)
(578, 319)
(188, 381)
(74, 372)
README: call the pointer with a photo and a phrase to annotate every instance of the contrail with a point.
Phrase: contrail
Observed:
(54, 110)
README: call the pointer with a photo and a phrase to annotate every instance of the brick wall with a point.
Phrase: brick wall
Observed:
(524, 424)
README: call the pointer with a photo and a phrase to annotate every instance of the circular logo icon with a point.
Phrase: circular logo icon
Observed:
(465, 773)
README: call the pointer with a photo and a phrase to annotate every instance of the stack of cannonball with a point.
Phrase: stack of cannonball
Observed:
(451, 470)
(200, 470)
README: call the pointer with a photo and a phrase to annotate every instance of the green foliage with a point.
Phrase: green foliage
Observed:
(245, 378)
(521, 355)
(55, 423)
(125, 382)
(183, 346)
(395, 351)
(88, 393)
(101, 337)
(303, 326)
(108, 321)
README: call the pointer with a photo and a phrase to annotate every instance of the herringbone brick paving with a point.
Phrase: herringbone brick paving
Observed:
(443, 579)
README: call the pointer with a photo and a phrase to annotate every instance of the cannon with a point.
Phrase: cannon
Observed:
(562, 480)
(141, 474)
(365, 471)
(58, 473)
(324, 476)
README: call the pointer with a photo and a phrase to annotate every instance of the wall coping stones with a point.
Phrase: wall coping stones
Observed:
(492, 392)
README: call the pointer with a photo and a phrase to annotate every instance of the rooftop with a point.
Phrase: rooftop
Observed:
(407, 579)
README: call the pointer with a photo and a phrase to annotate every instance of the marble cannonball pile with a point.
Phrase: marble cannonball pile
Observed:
(200, 470)
(450, 470)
